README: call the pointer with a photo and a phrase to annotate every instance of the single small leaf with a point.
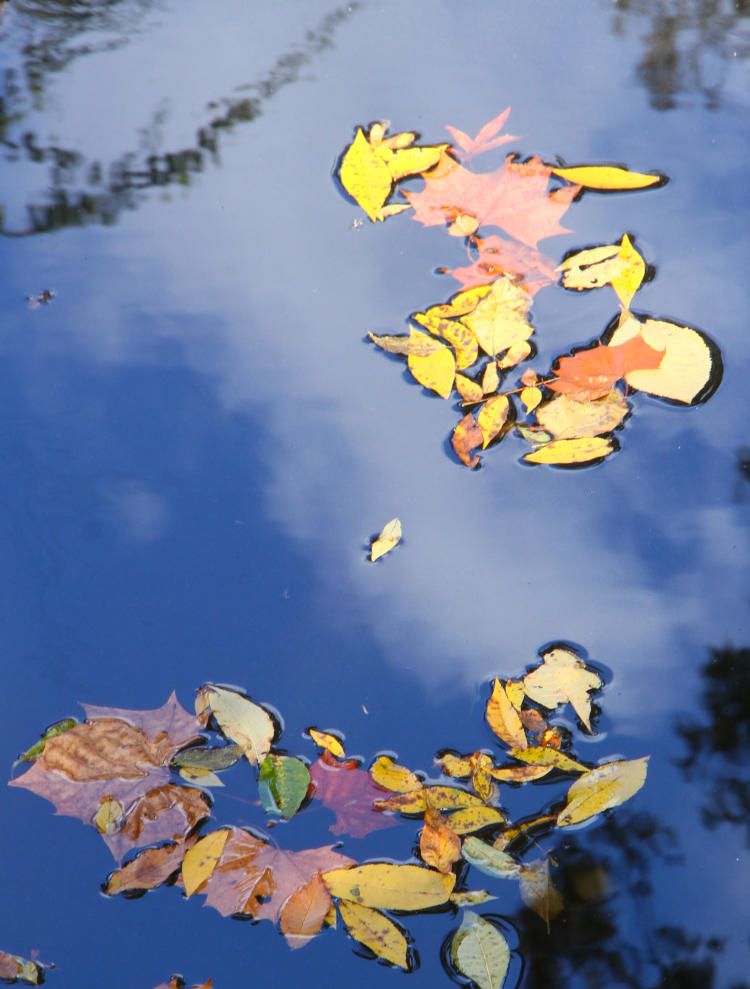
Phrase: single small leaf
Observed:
(618, 265)
(414, 161)
(469, 390)
(389, 537)
(489, 859)
(480, 952)
(456, 766)
(532, 434)
(490, 379)
(542, 755)
(581, 451)
(519, 774)
(289, 779)
(474, 819)
(436, 371)
(390, 775)
(365, 175)
(384, 886)
(531, 397)
(492, 417)
(202, 776)
(503, 718)
(514, 355)
(376, 932)
(327, 741)
(538, 891)
(110, 816)
(466, 437)
(198, 757)
(499, 320)
(441, 797)
(439, 845)
(608, 177)
(242, 721)
(562, 677)
(416, 344)
(470, 897)
(201, 860)
(304, 913)
(602, 788)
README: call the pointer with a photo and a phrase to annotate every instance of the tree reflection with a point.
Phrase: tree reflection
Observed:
(83, 191)
(690, 45)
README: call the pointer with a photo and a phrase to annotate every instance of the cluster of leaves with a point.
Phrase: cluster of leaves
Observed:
(140, 778)
(470, 344)
(14, 968)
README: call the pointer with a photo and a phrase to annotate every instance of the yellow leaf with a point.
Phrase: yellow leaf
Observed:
(206, 776)
(474, 819)
(618, 265)
(245, 723)
(490, 379)
(538, 891)
(458, 336)
(607, 177)
(201, 860)
(469, 390)
(416, 344)
(327, 741)
(365, 175)
(514, 355)
(542, 755)
(580, 451)
(437, 371)
(393, 209)
(565, 418)
(688, 364)
(388, 538)
(602, 788)
(531, 397)
(109, 817)
(441, 797)
(492, 417)
(503, 718)
(470, 897)
(414, 161)
(562, 677)
(396, 141)
(519, 774)
(455, 765)
(461, 303)
(499, 320)
(514, 690)
(480, 778)
(376, 932)
(463, 226)
(439, 845)
(390, 775)
(390, 887)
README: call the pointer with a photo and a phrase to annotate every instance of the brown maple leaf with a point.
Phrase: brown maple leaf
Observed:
(149, 869)
(590, 374)
(497, 256)
(514, 197)
(348, 790)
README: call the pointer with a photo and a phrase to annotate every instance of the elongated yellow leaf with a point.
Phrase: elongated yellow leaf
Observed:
(474, 819)
(538, 891)
(562, 677)
(503, 718)
(327, 741)
(492, 417)
(440, 797)
(607, 177)
(602, 788)
(200, 860)
(436, 371)
(389, 537)
(480, 952)
(490, 860)
(469, 390)
(458, 336)
(567, 419)
(390, 775)
(416, 344)
(376, 932)
(519, 774)
(365, 175)
(390, 887)
(490, 378)
(581, 451)
(541, 755)
(245, 723)
(686, 367)
(499, 320)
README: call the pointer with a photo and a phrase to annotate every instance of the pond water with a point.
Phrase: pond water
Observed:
(197, 445)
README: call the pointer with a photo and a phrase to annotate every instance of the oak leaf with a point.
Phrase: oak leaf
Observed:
(349, 791)
(590, 374)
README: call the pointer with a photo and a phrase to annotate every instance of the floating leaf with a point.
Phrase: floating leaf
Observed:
(458, 336)
(470, 897)
(350, 792)
(581, 451)
(469, 390)
(492, 861)
(514, 355)
(389, 537)
(591, 373)
(538, 891)
(441, 797)
(564, 418)
(390, 887)
(437, 371)
(365, 175)
(500, 320)
(542, 755)
(149, 869)
(480, 952)
(519, 774)
(492, 417)
(439, 845)
(474, 819)
(289, 779)
(242, 721)
(618, 265)
(201, 860)
(490, 379)
(376, 932)
(416, 344)
(503, 718)
(327, 741)
(14, 967)
(220, 757)
(456, 766)
(390, 775)
(562, 677)
(531, 397)
(466, 437)
(610, 177)
(33, 753)
(305, 912)
(602, 788)
(110, 816)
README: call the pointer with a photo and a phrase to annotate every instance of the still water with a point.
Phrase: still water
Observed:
(197, 445)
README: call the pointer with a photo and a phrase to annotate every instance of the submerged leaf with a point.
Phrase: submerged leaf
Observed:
(564, 418)
(466, 437)
(480, 952)
(602, 788)
(500, 320)
(389, 537)
(538, 891)
(327, 741)
(289, 779)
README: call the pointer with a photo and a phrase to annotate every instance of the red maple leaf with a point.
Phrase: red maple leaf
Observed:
(485, 139)
(514, 197)
(350, 792)
(497, 256)
(590, 374)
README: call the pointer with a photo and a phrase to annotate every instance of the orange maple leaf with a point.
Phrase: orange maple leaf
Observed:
(590, 374)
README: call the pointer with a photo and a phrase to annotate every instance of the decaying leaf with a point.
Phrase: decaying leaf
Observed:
(542, 755)
(538, 891)
(503, 718)
(391, 776)
(454, 332)
(470, 897)
(33, 753)
(500, 319)
(376, 932)
(389, 537)
(490, 379)
(609, 177)
(601, 788)
(14, 968)
(474, 819)
(469, 390)
(149, 869)
(440, 797)
(305, 912)
(466, 437)
(618, 265)
(490, 860)
(563, 677)
(520, 774)
(439, 845)
(201, 860)
(288, 780)
(590, 374)
(385, 886)
(220, 757)
(437, 371)
(416, 344)
(244, 722)
(564, 418)
(565, 452)
(480, 952)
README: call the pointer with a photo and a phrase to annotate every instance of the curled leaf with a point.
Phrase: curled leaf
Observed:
(389, 537)
(466, 437)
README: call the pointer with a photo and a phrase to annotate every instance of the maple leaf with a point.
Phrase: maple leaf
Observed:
(350, 792)
(590, 374)
(485, 139)
(497, 256)
(515, 197)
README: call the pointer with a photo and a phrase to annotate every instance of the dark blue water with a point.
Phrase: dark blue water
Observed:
(196, 446)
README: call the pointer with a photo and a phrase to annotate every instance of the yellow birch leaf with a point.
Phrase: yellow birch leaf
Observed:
(201, 860)
(538, 891)
(416, 344)
(514, 355)
(514, 690)
(503, 718)
(565, 418)
(327, 741)
(499, 320)
(602, 788)
(439, 845)
(109, 817)
(542, 755)
(243, 722)
(441, 797)
(519, 774)
(580, 451)
(607, 177)
(490, 379)
(388, 538)
(492, 417)
(436, 372)
(458, 336)
(531, 397)
(365, 175)
(376, 932)
(686, 367)
(384, 886)
(453, 765)
(474, 819)
(469, 390)
(390, 775)
(562, 677)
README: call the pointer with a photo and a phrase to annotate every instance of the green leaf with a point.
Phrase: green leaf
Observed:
(33, 753)
(288, 780)
(491, 861)
(480, 952)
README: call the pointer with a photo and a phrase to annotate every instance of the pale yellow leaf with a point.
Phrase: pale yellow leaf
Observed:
(480, 952)
(490, 379)
(201, 860)
(607, 177)
(469, 390)
(531, 397)
(388, 538)
(503, 718)
(376, 932)
(384, 886)
(390, 775)
(581, 451)
(463, 226)
(602, 788)
(365, 175)
(562, 677)
(243, 722)
(499, 320)
(436, 372)
(109, 817)
(492, 417)
(327, 741)
(514, 355)
(567, 419)
(470, 897)
(514, 690)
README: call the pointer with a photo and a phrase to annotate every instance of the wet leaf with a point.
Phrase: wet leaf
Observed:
(590, 374)
(470, 897)
(351, 793)
(204, 777)
(489, 859)
(201, 860)
(514, 355)
(437, 371)
(415, 344)
(490, 379)
(608, 177)
(305, 911)
(457, 335)
(562, 677)
(500, 319)
(538, 891)
(365, 175)
(492, 417)
(581, 451)
(439, 845)
(542, 755)
(456, 766)
(221, 757)
(474, 819)
(110, 816)
(242, 721)
(14, 968)
(480, 952)
(485, 140)
(469, 390)
(602, 788)
(440, 797)
(519, 774)
(531, 397)
(466, 437)
(288, 779)
(327, 741)
(687, 364)
(376, 932)
(503, 718)
(564, 418)
(389, 537)
(390, 887)
(33, 753)
(618, 265)
(388, 774)
(149, 869)
(515, 692)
